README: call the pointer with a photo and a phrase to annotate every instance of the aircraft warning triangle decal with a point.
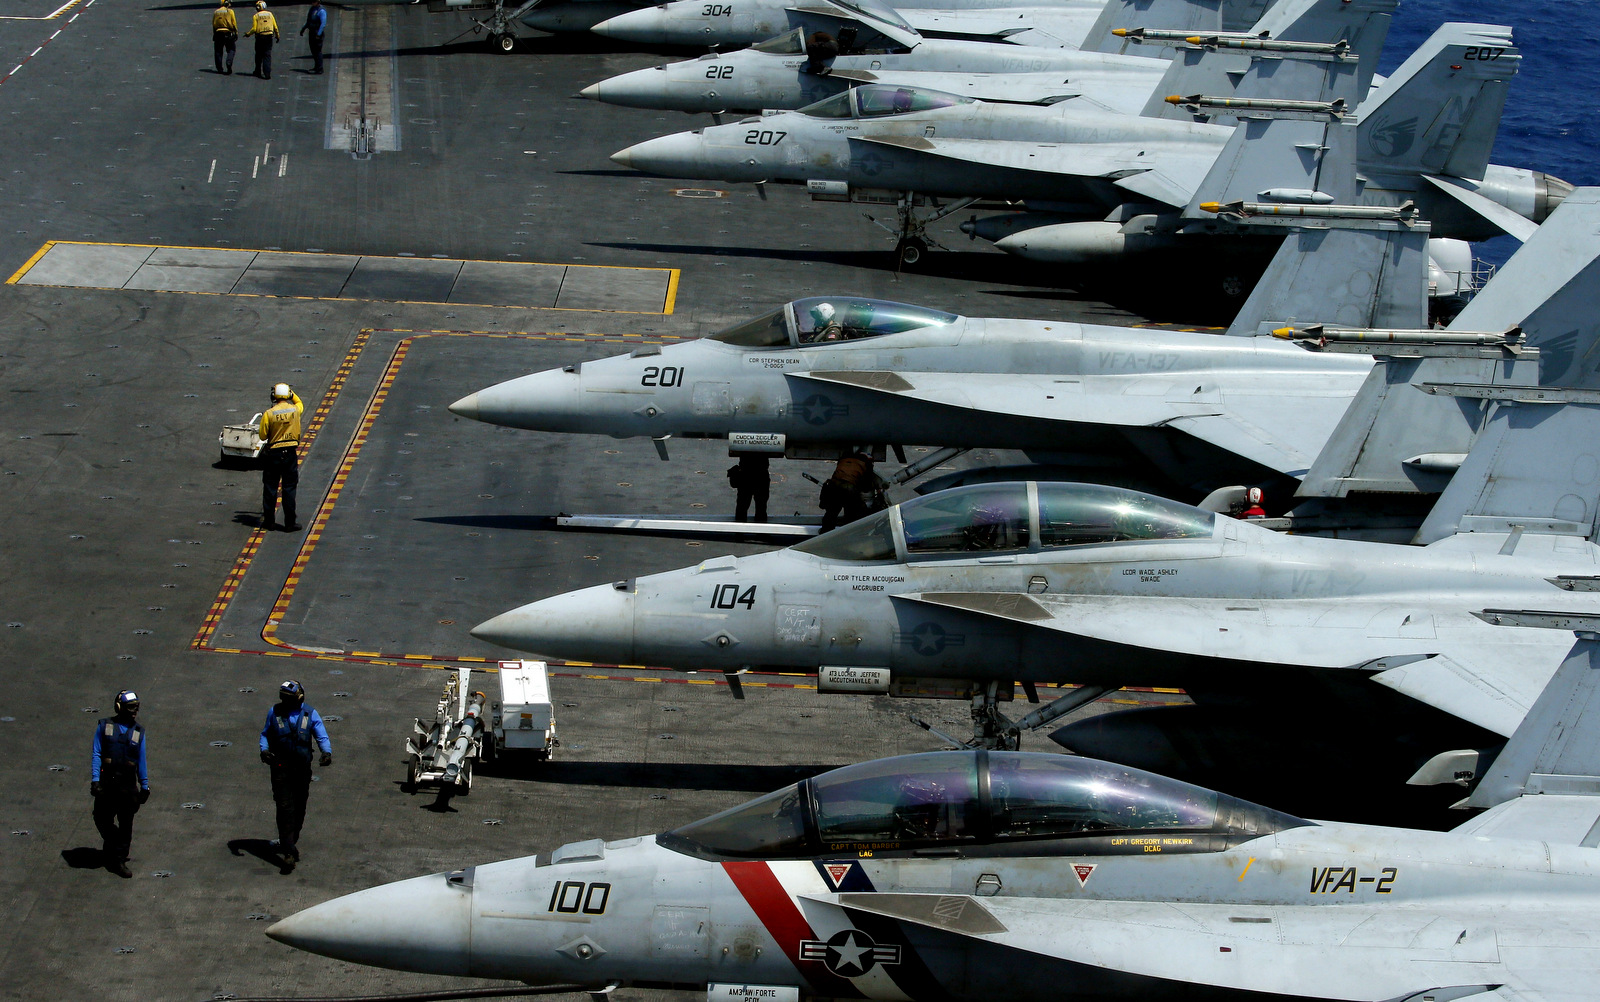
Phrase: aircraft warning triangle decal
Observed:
(1083, 870)
(836, 872)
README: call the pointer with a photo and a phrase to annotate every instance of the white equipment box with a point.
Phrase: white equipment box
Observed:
(526, 719)
(240, 441)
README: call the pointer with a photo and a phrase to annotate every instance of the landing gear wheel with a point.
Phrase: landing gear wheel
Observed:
(910, 251)
(504, 43)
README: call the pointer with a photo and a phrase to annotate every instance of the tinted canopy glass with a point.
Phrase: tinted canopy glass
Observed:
(837, 106)
(916, 798)
(870, 538)
(1076, 514)
(789, 43)
(770, 330)
(841, 318)
(981, 803)
(1038, 795)
(875, 100)
(982, 517)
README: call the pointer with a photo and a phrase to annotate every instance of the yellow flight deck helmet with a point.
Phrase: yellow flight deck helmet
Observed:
(280, 391)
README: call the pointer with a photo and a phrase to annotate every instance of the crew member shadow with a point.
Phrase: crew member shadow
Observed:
(262, 849)
(84, 858)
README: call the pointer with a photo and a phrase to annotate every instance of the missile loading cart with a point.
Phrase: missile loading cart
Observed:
(467, 729)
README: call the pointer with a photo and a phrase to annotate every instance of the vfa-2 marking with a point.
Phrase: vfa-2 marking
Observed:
(1333, 879)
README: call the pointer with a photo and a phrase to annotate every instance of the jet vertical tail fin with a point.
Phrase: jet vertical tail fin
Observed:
(1440, 111)
(1374, 274)
(1394, 439)
(1556, 748)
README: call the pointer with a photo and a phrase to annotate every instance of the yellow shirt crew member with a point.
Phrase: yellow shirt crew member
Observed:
(280, 433)
(224, 36)
(265, 29)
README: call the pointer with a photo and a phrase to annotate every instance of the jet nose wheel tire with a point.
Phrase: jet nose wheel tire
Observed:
(503, 43)
(910, 251)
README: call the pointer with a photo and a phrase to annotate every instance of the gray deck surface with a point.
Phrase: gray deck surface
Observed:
(122, 529)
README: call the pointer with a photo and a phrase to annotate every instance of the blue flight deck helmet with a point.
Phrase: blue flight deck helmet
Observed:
(127, 701)
(292, 691)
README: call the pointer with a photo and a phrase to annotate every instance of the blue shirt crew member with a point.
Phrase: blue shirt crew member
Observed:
(286, 745)
(314, 28)
(119, 779)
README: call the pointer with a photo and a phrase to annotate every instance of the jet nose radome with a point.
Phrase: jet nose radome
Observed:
(592, 92)
(592, 624)
(679, 155)
(647, 88)
(423, 924)
(650, 25)
(542, 401)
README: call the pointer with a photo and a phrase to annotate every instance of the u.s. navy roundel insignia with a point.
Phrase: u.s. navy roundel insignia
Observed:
(850, 953)
(1083, 870)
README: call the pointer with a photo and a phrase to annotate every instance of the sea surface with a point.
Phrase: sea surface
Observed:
(1552, 116)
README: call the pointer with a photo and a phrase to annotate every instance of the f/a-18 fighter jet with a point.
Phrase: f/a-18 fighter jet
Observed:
(906, 146)
(779, 74)
(1108, 587)
(972, 876)
(1071, 24)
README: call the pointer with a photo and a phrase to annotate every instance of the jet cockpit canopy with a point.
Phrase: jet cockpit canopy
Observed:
(1010, 517)
(822, 319)
(878, 100)
(980, 803)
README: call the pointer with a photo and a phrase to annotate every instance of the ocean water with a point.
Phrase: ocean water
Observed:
(1552, 115)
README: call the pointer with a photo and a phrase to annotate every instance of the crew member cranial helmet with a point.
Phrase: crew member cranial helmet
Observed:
(127, 701)
(261, 4)
(1254, 495)
(280, 391)
(292, 692)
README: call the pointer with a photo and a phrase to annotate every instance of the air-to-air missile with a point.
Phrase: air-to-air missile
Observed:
(1031, 877)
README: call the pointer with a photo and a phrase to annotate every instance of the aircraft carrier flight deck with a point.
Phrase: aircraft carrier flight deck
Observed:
(425, 219)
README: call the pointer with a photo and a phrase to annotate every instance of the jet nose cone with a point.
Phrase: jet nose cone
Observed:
(593, 624)
(647, 25)
(423, 924)
(679, 155)
(592, 92)
(542, 401)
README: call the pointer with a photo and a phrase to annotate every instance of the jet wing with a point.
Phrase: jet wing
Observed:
(1011, 88)
(1246, 415)
(1351, 947)
(1182, 165)
(1049, 27)
(1508, 668)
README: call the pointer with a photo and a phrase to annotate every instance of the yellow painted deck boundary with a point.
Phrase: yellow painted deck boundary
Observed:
(669, 303)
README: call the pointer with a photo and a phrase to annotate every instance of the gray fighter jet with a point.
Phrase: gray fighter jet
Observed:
(1049, 24)
(778, 73)
(1141, 174)
(1172, 410)
(1027, 877)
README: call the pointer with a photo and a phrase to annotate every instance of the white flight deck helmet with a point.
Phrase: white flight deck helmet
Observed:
(280, 391)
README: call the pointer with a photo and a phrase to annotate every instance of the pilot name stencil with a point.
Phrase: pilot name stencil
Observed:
(1150, 575)
(1333, 879)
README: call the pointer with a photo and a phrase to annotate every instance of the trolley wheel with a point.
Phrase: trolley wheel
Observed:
(910, 251)
(506, 42)
(411, 776)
